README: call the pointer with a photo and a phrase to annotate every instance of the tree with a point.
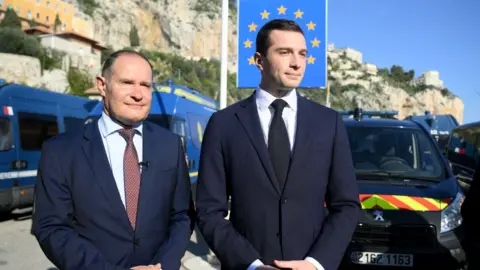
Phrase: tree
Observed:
(11, 20)
(57, 23)
(15, 41)
(134, 38)
(79, 81)
(105, 53)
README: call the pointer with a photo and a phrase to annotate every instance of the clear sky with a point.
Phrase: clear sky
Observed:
(442, 35)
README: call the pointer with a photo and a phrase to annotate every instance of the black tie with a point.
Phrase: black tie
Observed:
(278, 143)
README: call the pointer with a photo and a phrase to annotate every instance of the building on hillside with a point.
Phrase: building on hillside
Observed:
(351, 54)
(83, 52)
(44, 12)
(429, 78)
(370, 68)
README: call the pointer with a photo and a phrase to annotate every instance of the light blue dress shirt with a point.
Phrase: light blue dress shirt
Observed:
(115, 146)
(289, 115)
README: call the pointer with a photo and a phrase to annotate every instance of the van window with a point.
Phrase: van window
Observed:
(404, 153)
(35, 129)
(463, 149)
(73, 123)
(197, 126)
(6, 136)
(179, 128)
(162, 120)
(175, 124)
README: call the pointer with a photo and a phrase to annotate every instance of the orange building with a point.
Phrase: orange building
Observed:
(45, 11)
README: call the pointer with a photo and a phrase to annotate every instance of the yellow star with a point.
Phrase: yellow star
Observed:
(298, 14)
(315, 42)
(251, 61)
(311, 59)
(281, 9)
(247, 43)
(252, 27)
(264, 14)
(311, 25)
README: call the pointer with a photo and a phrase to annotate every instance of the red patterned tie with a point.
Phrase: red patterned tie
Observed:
(131, 170)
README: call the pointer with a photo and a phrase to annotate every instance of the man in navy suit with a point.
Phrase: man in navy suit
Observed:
(116, 196)
(280, 157)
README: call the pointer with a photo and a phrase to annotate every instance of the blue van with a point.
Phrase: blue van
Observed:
(439, 125)
(183, 111)
(29, 117)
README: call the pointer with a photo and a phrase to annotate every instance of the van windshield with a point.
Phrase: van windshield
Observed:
(401, 153)
(6, 138)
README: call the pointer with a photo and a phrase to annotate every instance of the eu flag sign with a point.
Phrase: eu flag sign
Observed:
(311, 15)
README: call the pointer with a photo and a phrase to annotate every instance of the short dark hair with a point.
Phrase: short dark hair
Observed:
(108, 63)
(263, 36)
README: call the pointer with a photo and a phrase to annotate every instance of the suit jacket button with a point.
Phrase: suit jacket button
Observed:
(284, 201)
(136, 242)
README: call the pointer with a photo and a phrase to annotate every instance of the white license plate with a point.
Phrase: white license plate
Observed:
(386, 259)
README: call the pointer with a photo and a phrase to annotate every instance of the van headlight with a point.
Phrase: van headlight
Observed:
(451, 216)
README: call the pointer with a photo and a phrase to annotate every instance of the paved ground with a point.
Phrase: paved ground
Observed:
(19, 249)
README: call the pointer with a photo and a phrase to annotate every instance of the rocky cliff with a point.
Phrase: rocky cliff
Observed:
(359, 84)
(192, 29)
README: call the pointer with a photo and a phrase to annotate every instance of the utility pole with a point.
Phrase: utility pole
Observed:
(224, 56)
(327, 102)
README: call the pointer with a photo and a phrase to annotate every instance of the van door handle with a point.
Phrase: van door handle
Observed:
(19, 164)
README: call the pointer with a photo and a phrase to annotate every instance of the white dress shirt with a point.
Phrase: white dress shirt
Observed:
(115, 146)
(289, 115)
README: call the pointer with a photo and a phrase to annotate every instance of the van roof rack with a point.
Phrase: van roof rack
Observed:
(359, 113)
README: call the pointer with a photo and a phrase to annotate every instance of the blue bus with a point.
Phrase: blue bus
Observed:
(183, 111)
(29, 117)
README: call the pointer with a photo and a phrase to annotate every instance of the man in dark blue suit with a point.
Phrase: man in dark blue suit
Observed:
(116, 196)
(280, 157)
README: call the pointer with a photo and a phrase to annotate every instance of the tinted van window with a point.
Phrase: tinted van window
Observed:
(6, 135)
(405, 153)
(35, 129)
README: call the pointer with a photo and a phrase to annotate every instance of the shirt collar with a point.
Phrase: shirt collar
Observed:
(108, 126)
(265, 99)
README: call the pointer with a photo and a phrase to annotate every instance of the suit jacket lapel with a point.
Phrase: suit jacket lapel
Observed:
(248, 117)
(154, 160)
(302, 137)
(95, 154)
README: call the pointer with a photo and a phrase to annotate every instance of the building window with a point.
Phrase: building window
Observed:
(17, 10)
(38, 15)
(38, 2)
(29, 14)
(48, 4)
(46, 19)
